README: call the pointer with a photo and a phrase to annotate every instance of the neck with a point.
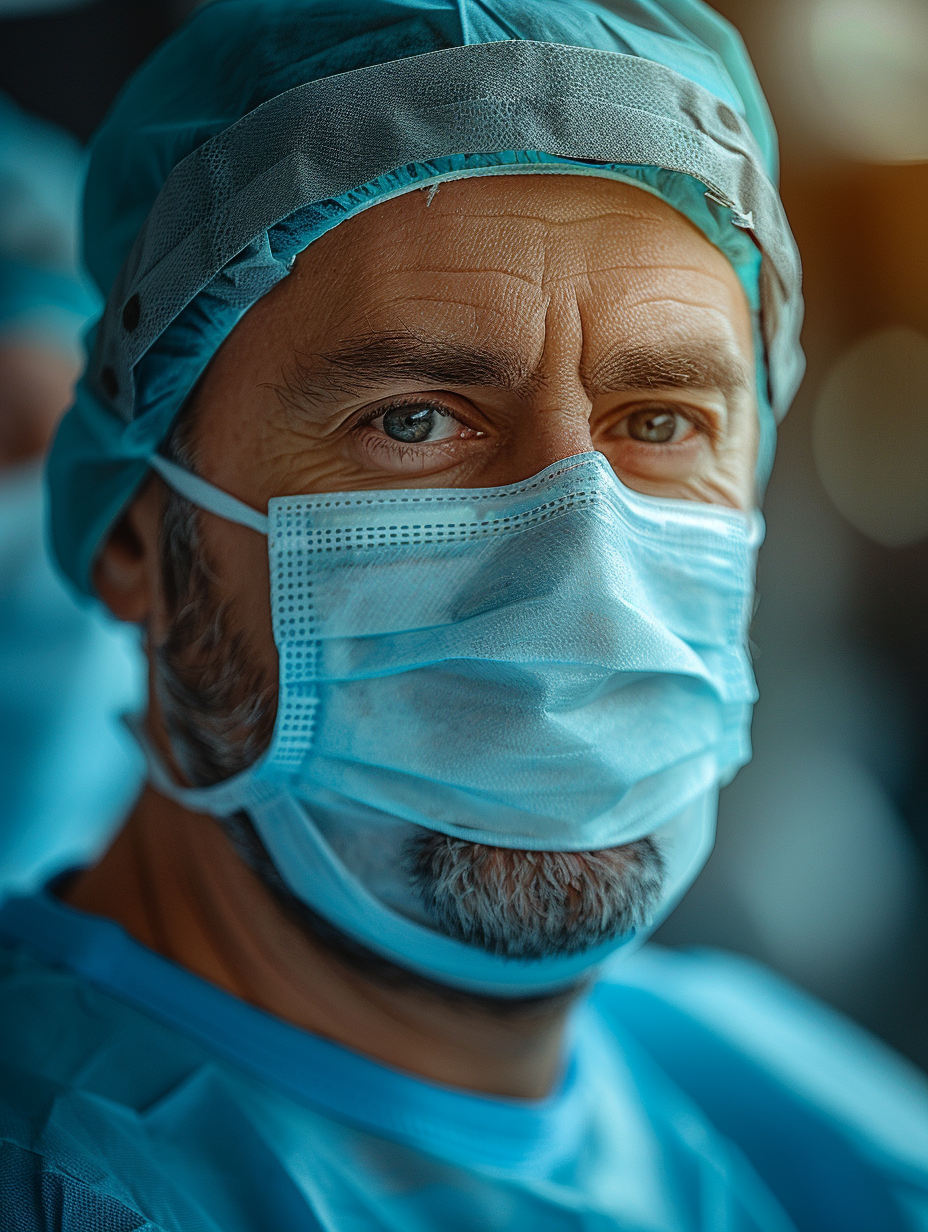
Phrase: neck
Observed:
(175, 883)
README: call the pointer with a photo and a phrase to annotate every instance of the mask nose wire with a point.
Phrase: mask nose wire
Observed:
(205, 496)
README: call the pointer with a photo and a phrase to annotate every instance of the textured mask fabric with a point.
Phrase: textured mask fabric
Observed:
(292, 118)
(558, 664)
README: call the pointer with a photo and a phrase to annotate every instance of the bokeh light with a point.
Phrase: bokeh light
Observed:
(859, 70)
(870, 435)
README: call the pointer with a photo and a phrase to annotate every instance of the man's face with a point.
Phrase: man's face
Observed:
(465, 338)
(470, 339)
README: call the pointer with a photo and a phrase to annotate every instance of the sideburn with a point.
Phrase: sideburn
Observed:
(218, 706)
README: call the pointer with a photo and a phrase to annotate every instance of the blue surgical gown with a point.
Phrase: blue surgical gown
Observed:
(697, 1092)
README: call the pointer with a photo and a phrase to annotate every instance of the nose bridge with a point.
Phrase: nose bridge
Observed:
(558, 422)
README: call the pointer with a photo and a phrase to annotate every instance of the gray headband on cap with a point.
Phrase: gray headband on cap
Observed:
(297, 149)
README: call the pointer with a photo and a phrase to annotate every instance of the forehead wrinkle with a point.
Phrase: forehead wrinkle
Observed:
(479, 272)
(632, 268)
(475, 309)
(593, 215)
(448, 301)
(634, 265)
(660, 301)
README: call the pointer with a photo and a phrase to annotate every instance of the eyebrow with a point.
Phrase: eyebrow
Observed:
(697, 365)
(369, 361)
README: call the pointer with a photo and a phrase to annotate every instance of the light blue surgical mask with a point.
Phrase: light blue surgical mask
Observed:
(558, 664)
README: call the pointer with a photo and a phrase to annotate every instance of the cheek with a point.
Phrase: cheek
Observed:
(740, 462)
(239, 560)
(672, 462)
(730, 475)
(295, 458)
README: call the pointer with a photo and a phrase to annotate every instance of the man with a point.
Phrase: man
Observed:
(68, 770)
(422, 436)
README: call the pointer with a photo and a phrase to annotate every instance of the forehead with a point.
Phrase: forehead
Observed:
(498, 251)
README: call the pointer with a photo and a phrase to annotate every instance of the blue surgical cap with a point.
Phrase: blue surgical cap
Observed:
(43, 297)
(264, 123)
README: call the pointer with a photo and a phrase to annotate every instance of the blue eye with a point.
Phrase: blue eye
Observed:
(409, 423)
(413, 424)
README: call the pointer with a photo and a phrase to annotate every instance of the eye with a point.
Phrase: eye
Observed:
(418, 423)
(657, 426)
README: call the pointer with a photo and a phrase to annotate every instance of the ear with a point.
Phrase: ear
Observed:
(127, 574)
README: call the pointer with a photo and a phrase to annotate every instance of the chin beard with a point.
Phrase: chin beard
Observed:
(219, 710)
(535, 904)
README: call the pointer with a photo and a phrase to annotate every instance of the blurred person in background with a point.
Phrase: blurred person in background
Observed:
(67, 770)
(437, 737)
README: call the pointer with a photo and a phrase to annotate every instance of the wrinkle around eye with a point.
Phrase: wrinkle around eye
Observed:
(387, 456)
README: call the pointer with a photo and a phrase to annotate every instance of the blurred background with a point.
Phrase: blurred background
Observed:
(820, 864)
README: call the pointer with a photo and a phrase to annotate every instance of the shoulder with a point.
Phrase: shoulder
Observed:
(54, 1172)
(692, 1002)
(111, 1119)
(40, 1194)
(824, 1111)
(58, 1027)
(77, 1069)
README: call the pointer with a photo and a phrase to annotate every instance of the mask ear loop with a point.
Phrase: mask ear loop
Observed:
(205, 496)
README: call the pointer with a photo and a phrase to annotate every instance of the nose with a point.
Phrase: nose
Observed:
(556, 420)
(555, 425)
(553, 419)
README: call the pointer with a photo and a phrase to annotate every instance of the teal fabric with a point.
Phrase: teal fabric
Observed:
(130, 1087)
(67, 770)
(68, 767)
(43, 296)
(236, 54)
